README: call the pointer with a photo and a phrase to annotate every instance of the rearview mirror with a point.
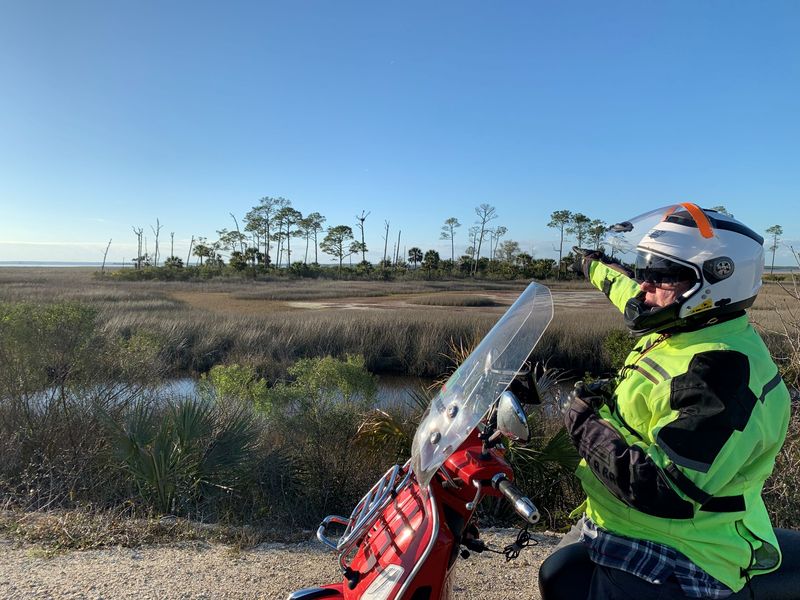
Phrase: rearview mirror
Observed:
(511, 419)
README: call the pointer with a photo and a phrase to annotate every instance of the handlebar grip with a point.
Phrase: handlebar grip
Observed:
(522, 504)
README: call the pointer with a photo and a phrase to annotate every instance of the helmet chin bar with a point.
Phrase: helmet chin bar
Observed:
(642, 319)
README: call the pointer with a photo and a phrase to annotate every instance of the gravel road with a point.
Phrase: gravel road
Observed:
(208, 571)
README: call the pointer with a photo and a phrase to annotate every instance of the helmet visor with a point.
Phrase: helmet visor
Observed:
(622, 239)
(653, 268)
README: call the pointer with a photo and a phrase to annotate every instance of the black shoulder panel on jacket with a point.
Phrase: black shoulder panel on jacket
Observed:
(714, 400)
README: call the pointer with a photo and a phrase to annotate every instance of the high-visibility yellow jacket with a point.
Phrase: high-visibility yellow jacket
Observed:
(691, 434)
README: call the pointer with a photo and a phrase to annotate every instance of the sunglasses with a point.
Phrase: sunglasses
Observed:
(659, 276)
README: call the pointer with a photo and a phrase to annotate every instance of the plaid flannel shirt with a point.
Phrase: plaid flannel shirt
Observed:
(651, 561)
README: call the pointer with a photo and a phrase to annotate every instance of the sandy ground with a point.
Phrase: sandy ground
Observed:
(205, 571)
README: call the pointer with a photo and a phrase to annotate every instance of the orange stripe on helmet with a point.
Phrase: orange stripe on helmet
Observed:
(703, 224)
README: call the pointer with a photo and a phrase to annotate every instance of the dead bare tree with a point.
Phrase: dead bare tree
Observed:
(156, 231)
(385, 240)
(105, 254)
(138, 260)
(397, 248)
(239, 235)
(485, 213)
(189, 256)
(361, 220)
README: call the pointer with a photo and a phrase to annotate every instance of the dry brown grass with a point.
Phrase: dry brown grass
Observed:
(262, 323)
(776, 314)
(272, 323)
(86, 529)
(780, 490)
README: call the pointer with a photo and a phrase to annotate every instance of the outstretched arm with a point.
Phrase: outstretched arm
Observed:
(613, 280)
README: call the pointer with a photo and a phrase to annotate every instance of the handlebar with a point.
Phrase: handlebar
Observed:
(522, 504)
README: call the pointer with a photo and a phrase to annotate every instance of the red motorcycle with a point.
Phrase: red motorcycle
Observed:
(403, 538)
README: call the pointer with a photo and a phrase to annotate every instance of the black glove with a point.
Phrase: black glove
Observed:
(581, 406)
(583, 258)
(588, 397)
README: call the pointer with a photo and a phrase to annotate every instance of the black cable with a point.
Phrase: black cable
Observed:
(523, 540)
(511, 551)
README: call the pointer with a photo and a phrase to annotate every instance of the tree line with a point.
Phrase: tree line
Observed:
(264, 241)
(275, 235)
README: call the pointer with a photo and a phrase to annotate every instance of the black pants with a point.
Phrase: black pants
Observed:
(569, 574)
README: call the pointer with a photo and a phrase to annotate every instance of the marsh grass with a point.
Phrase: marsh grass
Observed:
(776, 314)
(577, 342)
(397, 341)
(405, 340)
(318, 290)
(780, 490)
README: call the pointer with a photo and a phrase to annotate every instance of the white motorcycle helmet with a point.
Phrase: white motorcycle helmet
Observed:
(721, 258)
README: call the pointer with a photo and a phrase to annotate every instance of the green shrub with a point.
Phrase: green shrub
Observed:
(320, 383)
(185, 453)
(237, 382)
(617, 345)
(43, 346)
(301, 269)
(391, 431)
(59, 371)
(317, 415)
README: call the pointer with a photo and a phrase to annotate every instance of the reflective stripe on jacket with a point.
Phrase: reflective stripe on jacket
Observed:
(698, 418)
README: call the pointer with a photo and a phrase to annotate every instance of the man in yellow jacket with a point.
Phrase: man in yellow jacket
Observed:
(675, 450)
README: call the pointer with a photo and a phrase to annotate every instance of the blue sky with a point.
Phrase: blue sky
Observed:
(114, 114)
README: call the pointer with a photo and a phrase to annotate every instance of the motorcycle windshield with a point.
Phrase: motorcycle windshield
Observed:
(486, 373)
(622, 239)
